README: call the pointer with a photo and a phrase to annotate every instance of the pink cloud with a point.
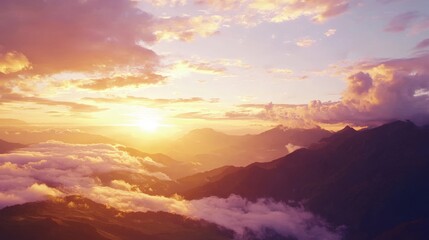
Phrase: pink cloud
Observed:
(401, 22)
(58, 36)
(423, 44)
(377, 92)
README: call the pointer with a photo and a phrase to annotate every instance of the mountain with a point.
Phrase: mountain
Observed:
(74, 217)
(208, 149)
(375, 181)
(163, 163)
(7, 146)
(11, 122)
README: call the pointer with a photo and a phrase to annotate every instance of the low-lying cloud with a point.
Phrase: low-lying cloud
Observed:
(58, 169)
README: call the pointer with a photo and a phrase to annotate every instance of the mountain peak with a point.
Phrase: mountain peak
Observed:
(346, 132)
(347, 129)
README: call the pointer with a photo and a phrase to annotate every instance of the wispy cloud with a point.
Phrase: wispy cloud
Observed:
(7, 96)
(187, 28)
(305, 42)
(330, 32)
(152, 101)
(423, 44)
(401, 22)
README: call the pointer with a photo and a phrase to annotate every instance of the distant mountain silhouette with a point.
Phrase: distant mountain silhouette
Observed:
(7, 146)
(374, 181)
(208, 149)
(76, 218)
(11, 122)
(30, 136)
(171, 167)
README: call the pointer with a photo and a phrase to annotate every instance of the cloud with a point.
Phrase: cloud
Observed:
(57, 36)
(330, 32)
(162, 3)
(291, 148)
(203, 67)
(220, 4)
(259, 217)
(305, 42)
(7, 96)
(65, 165)
(152, 101)
(244, 217)
(254, 12)
(11, 62)
(421, 26)
(280, 11)
(423, 44)
(55, 169)
(401, 22)
(280, 70)
(187, 28)
(377, 91)
(120, 81)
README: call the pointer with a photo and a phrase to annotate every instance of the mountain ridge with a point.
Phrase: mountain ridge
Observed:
(374, 170)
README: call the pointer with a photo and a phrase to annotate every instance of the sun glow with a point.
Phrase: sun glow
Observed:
(149, 124)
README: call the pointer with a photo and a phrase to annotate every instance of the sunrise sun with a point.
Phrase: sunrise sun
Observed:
(149, 124)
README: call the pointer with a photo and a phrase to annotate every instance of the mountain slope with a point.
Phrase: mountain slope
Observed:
(208, 149)
(371, 180)
(73, 217)
(7, 146)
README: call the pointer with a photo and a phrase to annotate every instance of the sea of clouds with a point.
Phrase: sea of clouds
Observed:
(58, 169)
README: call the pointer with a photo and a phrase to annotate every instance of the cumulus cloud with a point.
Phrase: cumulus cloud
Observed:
(105, 42)
(11, 62)
(83, 35)
(377, 92)
(55, 169)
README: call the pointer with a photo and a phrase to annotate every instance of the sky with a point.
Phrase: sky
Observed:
(166, 65)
